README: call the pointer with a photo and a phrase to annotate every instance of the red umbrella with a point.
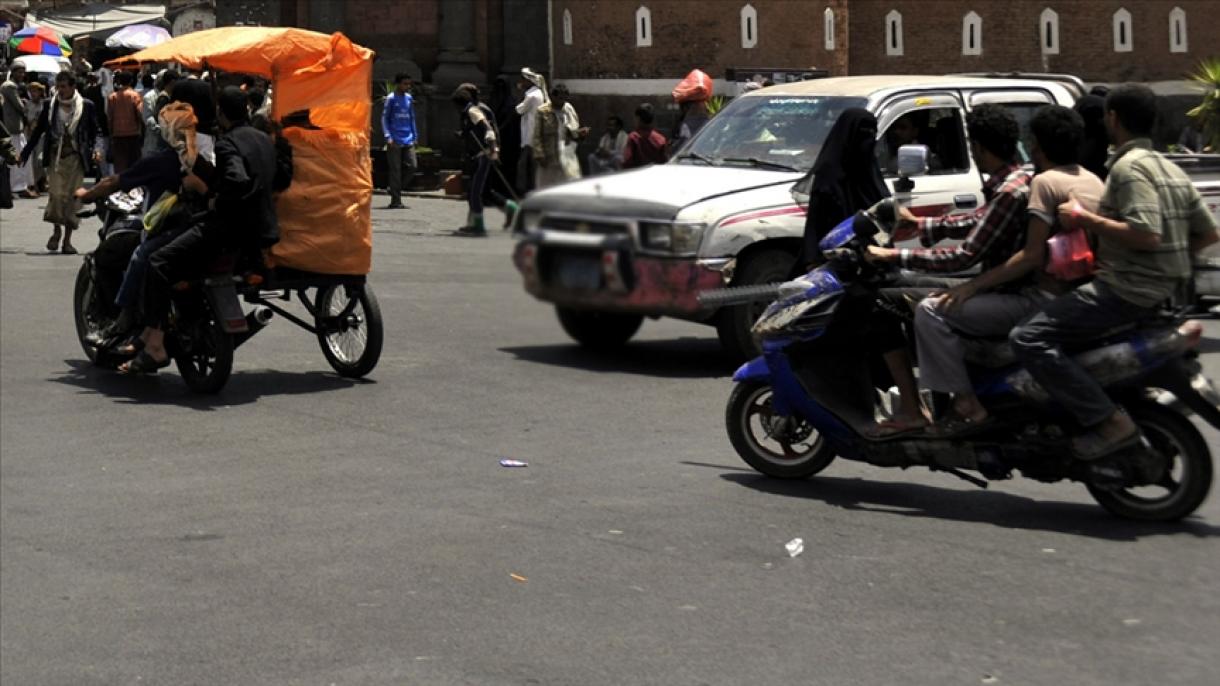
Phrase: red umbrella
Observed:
(39, 41)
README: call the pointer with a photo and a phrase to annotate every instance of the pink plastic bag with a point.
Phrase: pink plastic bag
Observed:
(697, 86)
(1070, 257)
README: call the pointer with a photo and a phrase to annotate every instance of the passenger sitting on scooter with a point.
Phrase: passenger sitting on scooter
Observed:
(244, 219)
(991, 304)
(991, 234)
(158, 173)
(1151, 221)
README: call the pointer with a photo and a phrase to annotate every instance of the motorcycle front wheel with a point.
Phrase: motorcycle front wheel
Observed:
(1187, 475)
(781, 447)
(85, 309)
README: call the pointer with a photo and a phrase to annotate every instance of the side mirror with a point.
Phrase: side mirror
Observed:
(912, 160)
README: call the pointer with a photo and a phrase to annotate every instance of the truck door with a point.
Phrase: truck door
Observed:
(952, 182)
(1022, 103)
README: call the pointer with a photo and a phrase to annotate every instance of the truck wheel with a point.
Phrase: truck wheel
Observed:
(734, 323)
(599, 330)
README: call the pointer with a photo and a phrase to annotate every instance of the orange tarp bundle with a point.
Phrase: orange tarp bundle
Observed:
(325, 224)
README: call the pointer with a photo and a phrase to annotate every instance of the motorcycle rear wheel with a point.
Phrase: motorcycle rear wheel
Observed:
(799, 452)
(1188, 474)
(206, 360)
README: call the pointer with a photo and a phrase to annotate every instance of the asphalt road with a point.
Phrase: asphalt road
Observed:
(300, 528)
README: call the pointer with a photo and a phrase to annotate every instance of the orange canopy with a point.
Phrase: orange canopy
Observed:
(328, 75)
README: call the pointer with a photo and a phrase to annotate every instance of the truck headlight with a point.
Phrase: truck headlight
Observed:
(531, 220)
(679, 239)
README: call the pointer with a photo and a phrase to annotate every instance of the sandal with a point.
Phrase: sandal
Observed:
(144, 364)
(53, 242)
(955, 425)
(67, 249)
(892, 428)
(133, 346)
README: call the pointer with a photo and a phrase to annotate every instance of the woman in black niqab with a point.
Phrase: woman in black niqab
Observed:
(844, 179)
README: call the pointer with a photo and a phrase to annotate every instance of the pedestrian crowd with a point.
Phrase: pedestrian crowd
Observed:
(86, 123)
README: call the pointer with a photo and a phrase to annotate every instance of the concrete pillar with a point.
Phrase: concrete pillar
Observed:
(458, 61)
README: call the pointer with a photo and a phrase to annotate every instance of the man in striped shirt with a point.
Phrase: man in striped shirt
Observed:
(1151, 222)
(991, 233)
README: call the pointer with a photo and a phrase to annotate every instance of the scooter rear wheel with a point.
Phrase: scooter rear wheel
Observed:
(781, 447)
(1188, 471)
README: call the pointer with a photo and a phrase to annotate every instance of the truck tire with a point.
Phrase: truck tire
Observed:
(599, 330)
(734, 323)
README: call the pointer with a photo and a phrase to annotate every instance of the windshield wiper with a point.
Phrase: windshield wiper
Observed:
(755, 162)
(696, 156)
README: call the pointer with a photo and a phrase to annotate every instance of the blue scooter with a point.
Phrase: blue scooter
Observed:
(811, 397)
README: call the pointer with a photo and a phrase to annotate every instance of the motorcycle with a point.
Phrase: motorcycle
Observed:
(809, 398)
(206, 320)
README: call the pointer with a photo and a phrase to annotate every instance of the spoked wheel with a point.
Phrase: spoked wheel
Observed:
(782, 447)
(205, 360)
(88, 320)
(1185, 478)
(350, 331)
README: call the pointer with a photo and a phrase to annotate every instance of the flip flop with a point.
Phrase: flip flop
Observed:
(133, 346)
(956, 426)
(144, 364)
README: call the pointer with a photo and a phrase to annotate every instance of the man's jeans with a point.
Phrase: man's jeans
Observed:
(133, 279)
(1075, 318)
(395, 157)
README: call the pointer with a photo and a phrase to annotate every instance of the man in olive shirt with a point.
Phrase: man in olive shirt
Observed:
(1150, 223)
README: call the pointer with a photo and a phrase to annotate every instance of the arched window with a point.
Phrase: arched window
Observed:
(1048, 31)
(1122, 31)
(972, 34)
(893, 34)
(567, 27)
(828, 28)
(1177, 30)
(643, 27)
(749, 26)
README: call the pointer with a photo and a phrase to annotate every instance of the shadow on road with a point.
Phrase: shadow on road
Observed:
(167, 387)
(985, 507)
(682, 358)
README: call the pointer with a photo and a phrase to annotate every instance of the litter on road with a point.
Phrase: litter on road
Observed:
(795, 547)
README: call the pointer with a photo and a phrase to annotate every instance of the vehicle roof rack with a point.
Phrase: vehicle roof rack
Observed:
(1073, 83)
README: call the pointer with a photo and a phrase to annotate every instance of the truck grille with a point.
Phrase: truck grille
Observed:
(572, 225)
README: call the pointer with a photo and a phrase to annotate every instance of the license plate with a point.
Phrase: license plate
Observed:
(580, 273)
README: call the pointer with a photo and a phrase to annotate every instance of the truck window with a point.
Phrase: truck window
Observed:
(780, 129)
(940, 129)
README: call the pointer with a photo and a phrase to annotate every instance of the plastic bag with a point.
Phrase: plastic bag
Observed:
(1069, 255)
(695, 87)
(156, 215)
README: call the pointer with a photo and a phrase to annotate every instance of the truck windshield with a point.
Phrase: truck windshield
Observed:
(777, 132)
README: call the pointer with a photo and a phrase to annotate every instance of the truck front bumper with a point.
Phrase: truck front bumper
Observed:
(605, 274)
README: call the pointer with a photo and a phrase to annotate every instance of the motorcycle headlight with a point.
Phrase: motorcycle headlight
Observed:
(794, 287)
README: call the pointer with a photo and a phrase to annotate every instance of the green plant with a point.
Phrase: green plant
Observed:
(1207, 113)
(715, 104)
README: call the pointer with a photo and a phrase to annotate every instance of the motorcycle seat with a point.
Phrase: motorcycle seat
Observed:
(993, 353)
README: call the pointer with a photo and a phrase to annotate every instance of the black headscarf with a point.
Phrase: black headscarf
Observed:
(844, 179)
(1095, 147)
(198, 94)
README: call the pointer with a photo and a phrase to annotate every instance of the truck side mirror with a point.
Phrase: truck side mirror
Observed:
(912, 160)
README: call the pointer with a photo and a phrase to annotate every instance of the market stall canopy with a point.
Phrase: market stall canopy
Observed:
(138, 37)
(328, 75)
(43, 64)
(96, 18)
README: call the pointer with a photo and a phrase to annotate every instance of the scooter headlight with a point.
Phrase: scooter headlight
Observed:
(792, 288)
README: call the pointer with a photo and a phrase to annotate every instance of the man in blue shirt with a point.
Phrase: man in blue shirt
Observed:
(398, 125)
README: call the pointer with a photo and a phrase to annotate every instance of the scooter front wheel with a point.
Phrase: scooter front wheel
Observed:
(778, 446)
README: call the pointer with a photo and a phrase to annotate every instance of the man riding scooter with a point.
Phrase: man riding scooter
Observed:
(991, 234)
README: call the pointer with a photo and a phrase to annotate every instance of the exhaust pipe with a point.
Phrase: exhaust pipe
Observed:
(256, 321)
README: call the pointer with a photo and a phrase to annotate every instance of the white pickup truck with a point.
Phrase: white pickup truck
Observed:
(611, 250)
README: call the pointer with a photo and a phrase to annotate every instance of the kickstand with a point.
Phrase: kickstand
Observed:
(963, 476)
